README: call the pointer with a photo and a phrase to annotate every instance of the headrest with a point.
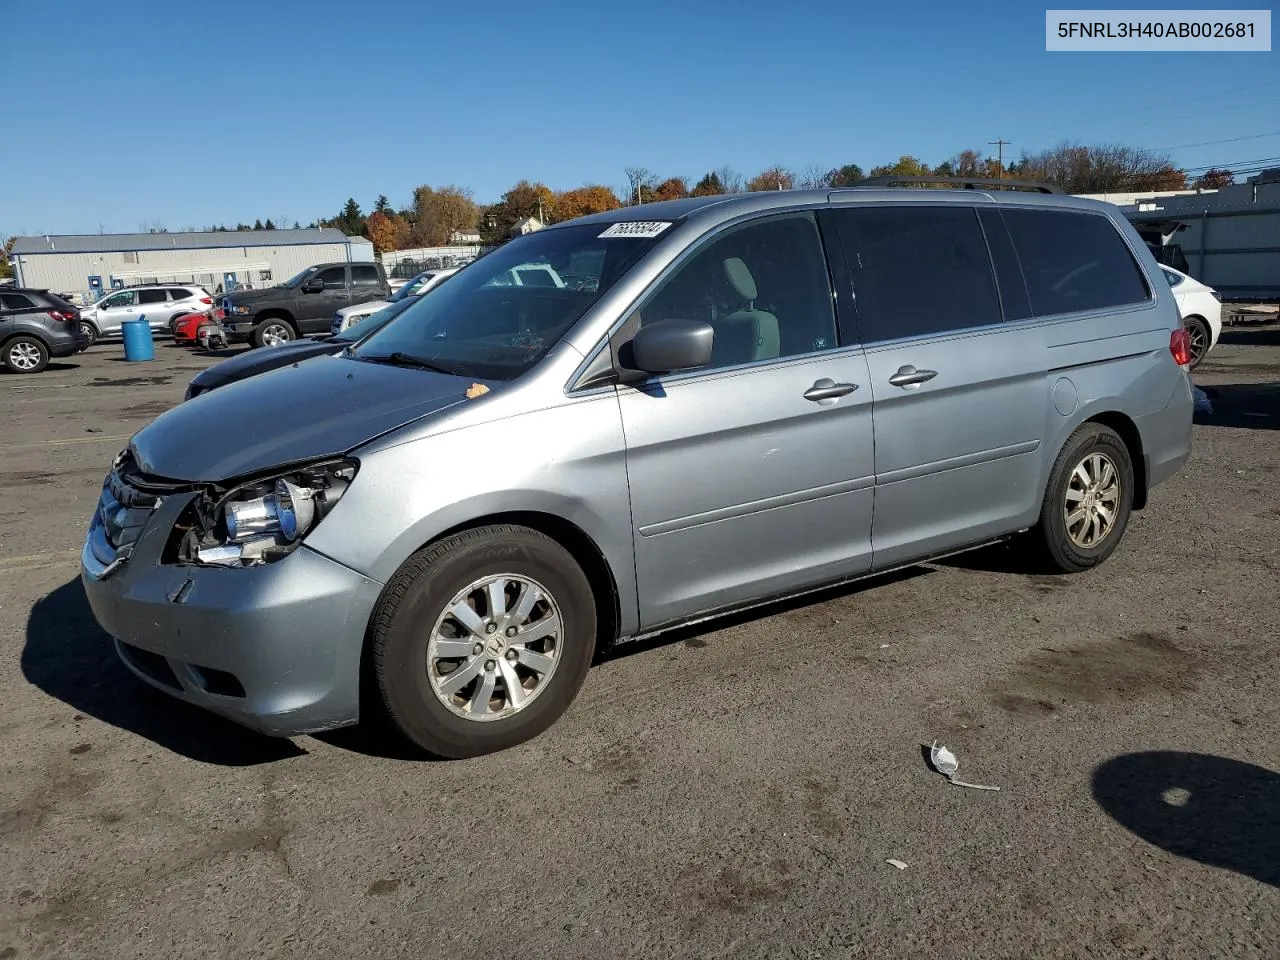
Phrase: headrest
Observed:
(740, 278)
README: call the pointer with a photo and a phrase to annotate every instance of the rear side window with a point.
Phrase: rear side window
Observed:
(365, 276)
(16, 301)
(918, 270)
(151, 296)
(177, 293)
(1074, 261)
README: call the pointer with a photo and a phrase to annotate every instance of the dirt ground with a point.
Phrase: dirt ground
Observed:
(730, 791)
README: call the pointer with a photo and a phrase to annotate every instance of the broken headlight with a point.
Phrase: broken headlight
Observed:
(262, 520)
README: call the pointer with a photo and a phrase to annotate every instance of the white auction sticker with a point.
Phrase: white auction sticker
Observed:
(637, 228)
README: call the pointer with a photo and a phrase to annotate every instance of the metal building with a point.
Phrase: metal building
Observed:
(1229, 238)
(90, 265)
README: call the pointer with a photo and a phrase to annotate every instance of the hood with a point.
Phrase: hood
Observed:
(249, 363)
(251, 296)
(321, 408)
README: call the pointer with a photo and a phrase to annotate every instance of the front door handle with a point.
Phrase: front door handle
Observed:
(909, 376)
(828, 389)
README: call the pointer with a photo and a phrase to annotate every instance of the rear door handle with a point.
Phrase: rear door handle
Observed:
(828, 389)
(909, 376)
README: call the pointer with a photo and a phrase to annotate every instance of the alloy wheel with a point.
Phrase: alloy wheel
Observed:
(1092, 500)
(495, 647)
(25, 356)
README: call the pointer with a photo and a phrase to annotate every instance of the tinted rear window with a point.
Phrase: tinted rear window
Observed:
(917, 270)
(365, 276)
(177, 293)
(151, 296)
(1074, 261)
(17, 301)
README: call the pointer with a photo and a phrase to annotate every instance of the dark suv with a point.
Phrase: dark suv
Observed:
(34, 326)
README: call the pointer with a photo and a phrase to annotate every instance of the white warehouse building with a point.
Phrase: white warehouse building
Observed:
(94, 264)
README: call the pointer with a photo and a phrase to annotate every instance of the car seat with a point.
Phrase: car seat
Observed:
(746, 334)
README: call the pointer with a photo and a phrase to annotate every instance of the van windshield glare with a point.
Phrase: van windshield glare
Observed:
(500, 315)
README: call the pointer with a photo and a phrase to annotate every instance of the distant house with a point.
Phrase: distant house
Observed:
(462, 238)
(527, 225)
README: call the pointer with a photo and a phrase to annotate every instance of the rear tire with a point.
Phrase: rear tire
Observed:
(25, 354)
(272, 333)
(1087, 501)
(417, 643)
(1200, 335)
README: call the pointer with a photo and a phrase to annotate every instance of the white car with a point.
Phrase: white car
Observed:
(420, 284)
(160, 303)
(1201, 309)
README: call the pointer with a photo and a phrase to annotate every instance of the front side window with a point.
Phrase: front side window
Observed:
(762, 287)
(474, 325)
(365, 275)
(1074, 261)
(917, 270)
(125, 298)
(335, 278)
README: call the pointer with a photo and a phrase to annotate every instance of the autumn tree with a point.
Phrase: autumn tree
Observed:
(440, 212)
(6, 247)
(709, 186)
(673, 188)
(847, 176)
(1104, 168)
(592, 198)
(775, 178)
(381, 231)
(1214, 179)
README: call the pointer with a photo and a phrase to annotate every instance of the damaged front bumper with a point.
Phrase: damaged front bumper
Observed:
(275, 647)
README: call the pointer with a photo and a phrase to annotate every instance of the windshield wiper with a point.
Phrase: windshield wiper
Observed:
(400, 359)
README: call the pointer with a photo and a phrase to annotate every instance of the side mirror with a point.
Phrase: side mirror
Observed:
(314, 285)
(670, 345)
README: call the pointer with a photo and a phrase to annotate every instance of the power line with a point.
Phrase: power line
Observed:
(1210, 143)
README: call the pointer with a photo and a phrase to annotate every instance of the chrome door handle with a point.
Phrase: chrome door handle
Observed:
(909, 376)
(828, 389)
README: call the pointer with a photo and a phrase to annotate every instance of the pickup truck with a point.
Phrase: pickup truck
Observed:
(301, 305)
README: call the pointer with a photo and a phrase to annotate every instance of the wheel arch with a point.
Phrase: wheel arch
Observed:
(276, 313)
(1128, 431)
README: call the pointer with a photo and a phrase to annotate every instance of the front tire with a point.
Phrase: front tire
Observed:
(1088, 500)
(89, 332)
(24, 354)
(481, 641)
(272, 333)
(1200, 336)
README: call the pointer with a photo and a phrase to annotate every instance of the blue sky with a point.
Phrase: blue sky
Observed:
(191, 114)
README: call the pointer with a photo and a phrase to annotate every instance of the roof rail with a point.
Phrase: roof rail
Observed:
(967, 183)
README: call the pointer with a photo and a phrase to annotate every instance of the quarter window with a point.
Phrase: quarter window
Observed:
(1074, 261)
(917, 271)
(762, 287)
(365, 276)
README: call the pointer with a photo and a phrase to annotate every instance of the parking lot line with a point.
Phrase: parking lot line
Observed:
(39, 559)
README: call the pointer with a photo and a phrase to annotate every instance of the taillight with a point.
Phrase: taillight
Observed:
(1180, 346)
(206, 300)
(63, 317)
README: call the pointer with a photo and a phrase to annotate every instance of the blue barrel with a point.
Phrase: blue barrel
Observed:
(138, 344)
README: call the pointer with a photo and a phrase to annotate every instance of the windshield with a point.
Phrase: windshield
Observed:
(297, 279)
(374, 321)
(503, 313)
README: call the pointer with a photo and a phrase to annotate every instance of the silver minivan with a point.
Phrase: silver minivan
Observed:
(754, 396)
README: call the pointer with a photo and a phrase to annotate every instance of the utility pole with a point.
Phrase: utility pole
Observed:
(999, 145)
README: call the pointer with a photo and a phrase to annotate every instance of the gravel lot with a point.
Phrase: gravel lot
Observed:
(733, 791)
